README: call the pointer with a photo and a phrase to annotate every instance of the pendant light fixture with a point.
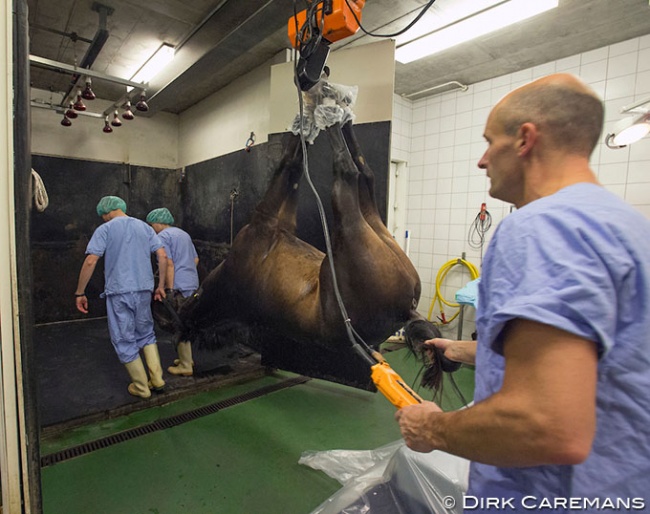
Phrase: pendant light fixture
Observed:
(142, 104)
(79, 104)
(70, 112)
(88, 93)
(128, 113)
(116, 120)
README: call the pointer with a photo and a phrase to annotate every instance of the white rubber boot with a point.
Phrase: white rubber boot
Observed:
(138, 386)
(152, 357)
(185, 362)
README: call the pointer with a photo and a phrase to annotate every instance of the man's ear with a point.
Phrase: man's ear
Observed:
(526, 138)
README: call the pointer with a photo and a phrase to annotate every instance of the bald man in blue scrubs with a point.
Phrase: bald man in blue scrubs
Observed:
(561, 419)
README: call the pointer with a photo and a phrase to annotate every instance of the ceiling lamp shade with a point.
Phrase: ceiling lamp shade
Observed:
(70, 113)
(87, 93)
(116, 120)
(476, 25)
(142, 104)
(79, 104)
(628, 130)
(128, 113)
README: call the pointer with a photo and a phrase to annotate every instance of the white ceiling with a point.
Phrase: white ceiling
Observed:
(220, 40)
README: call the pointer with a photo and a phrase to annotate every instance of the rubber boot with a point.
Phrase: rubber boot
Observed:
(185, 362)
(177, 362)
(138, 386)
(152, 357)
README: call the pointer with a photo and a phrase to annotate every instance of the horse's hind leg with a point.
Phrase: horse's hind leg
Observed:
(281, 197)
(368, 205)
(345, 191)
(367, 202)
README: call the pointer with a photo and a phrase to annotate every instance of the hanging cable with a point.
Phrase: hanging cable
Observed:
(352, 334)
(394, 34)
(477, 230)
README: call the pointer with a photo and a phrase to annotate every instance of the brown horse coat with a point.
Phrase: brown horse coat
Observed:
(273, 279)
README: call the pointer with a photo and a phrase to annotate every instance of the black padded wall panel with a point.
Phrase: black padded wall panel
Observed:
(206, 186)
(198, 196)
(60, 233)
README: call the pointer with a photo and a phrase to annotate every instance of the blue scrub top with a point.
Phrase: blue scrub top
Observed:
(180, 249)
(578, 260)
(126, 244)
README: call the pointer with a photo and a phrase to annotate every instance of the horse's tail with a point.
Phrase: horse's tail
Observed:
(416, 332)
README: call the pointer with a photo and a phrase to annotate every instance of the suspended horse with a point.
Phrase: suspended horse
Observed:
(282, 288)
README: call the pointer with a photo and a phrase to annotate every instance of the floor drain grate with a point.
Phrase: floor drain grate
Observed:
(162, 424)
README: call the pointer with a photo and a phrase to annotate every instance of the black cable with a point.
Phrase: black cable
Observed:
(306, 40)
(352, 334)
(395, 34)
(477, 230)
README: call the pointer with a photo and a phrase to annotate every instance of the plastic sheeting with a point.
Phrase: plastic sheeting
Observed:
(324, 105)
(391, 480)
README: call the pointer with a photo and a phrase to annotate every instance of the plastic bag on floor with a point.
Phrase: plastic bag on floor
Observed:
(346, 465)
(392, 480)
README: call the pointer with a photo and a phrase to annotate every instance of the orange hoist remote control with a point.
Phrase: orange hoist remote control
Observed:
(391, 385)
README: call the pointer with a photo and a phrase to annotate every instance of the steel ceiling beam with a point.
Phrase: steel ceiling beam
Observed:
(42, 62)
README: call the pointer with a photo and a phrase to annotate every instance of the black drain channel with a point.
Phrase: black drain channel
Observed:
(172, 421)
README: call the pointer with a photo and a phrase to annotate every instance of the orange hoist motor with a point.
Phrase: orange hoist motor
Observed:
(312, 31)
(339, 20)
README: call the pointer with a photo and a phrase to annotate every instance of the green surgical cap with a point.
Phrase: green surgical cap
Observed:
(162, 216)
(110, 203)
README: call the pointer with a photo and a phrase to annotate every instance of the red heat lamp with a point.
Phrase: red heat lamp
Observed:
(87, 93)
(79, 104)
(70, 113)
(128, 113)
(107, 126)
(142, 104)
(116, 120)
(66, 121)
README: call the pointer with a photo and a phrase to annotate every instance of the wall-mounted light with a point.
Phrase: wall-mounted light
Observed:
(161, 58)
(478, 24)
(631, 129)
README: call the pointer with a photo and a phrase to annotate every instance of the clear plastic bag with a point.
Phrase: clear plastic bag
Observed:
(324, 105)
(346, 465)
(392, 480)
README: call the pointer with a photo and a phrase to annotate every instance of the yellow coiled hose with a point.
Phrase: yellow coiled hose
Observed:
(442, 273)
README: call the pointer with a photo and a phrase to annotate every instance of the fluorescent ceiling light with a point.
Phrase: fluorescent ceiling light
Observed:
(161, 58)
(443, 13)
(482, 23)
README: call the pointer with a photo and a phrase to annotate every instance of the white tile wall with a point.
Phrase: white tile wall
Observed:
(446, 188)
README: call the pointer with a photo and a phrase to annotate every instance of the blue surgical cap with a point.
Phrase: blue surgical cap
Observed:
(162, 216)
(110, 203)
